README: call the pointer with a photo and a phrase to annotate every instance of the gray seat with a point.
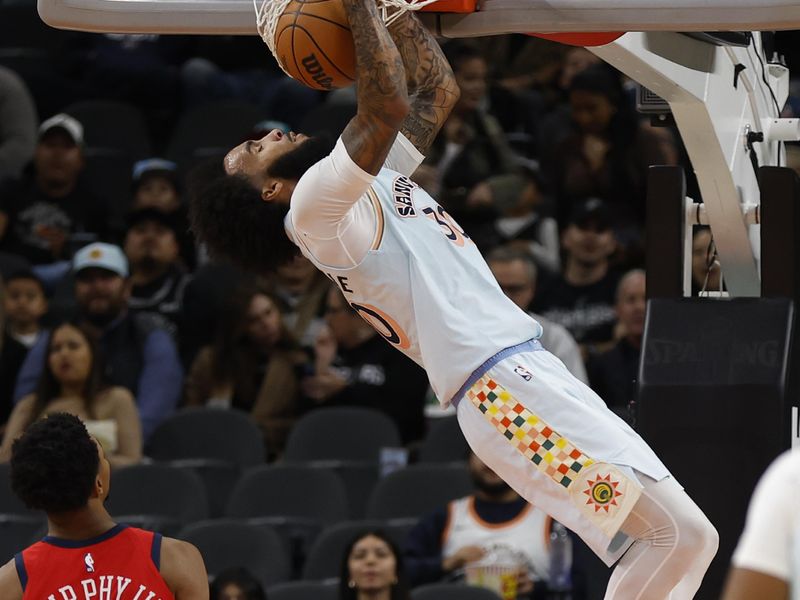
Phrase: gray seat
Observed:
(415, 491)
(159, 497)
(17, 533)
(303, 590)
(324, 559)
(452, 591)
(341, 434)
(444, 442)
(215, 444)
(226, 543)
(9, 503)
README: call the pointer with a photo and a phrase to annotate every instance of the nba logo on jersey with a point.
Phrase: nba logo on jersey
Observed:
(89, 562)
(523, 372)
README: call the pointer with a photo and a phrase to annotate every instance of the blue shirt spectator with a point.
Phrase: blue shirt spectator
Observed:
(138, 351)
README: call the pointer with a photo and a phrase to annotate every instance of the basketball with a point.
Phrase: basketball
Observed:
(314, 45)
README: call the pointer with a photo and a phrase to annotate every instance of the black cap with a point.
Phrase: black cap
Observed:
(591, 210)
(141, 215)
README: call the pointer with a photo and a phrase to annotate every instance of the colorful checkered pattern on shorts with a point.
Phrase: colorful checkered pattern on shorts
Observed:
(552, 454)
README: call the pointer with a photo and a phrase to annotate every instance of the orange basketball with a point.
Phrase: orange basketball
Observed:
(314, 44)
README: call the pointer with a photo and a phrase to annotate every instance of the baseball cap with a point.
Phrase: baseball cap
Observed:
(150, 166)
(152, 214)
(591, 210)
(102, 256)
(64, 122)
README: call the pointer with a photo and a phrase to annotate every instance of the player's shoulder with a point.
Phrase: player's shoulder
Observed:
(183, 569)
(784, 470)
(10, 586)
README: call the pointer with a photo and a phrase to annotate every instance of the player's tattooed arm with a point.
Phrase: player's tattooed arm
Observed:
(382, 95)
(431, 84)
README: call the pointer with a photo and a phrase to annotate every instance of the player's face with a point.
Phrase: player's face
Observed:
(253, 157)
(514, 278)
(372, 565)
(70, 357)
(631, 304)
(103, 471)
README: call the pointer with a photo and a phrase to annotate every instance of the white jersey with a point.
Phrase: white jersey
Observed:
(404, 265)
(527, 534)
(770, 543)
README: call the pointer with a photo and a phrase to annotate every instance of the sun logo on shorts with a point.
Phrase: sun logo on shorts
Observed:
(602, 492)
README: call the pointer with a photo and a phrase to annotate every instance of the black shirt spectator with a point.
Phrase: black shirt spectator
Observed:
(50, 207)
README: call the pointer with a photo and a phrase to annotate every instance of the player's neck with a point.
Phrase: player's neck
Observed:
(82, 524)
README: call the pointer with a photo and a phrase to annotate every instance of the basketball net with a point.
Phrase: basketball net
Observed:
(269, 11)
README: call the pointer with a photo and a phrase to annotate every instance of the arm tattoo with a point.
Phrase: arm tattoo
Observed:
(381, 84)
(431, 83)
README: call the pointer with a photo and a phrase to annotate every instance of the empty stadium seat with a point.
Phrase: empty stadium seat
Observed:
(451, 591)
(443, 442)
(303, 590)
(17, 533)
(112, 125)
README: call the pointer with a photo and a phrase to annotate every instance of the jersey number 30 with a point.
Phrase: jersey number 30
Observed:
(449, 227)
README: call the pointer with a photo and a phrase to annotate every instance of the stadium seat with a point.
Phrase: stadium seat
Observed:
(341, 433)
(415, 491)
(303, 590)
(112, 125)
(215, 444)
(159, 497)
(452, 591)
(328, 119)
(444, 442)
(9, 503)
(17, 533)
(325, 556)
(225, 544)
(211, 130)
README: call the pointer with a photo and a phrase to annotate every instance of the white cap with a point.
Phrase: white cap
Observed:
(63, 121)
(102, 256)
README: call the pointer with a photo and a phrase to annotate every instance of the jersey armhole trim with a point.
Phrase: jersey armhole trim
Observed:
(22, 573)
(379, 219)
(155, 551)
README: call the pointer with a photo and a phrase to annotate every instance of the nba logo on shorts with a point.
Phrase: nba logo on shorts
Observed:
(89, 562)
(523, 372)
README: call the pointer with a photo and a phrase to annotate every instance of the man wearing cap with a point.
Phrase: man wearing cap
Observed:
(158, 278)
(138, 351)
(582, 297)
(50, 204)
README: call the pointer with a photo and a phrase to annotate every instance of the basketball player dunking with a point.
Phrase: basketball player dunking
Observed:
(58, 468)
(406, 267)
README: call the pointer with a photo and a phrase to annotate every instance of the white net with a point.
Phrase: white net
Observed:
(269, 11)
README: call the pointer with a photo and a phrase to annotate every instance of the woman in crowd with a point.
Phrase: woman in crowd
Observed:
(251, 366)
(236, 584)
(72, 382)
(372, 568)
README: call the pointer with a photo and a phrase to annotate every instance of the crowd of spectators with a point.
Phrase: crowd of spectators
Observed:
(111, 311)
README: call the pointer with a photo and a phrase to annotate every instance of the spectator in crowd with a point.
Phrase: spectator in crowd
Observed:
(251, 366)
(18, 123)
(608, 151)
(516, 274)
(71, 381)
(25, 305)
(582, 297)
(613, 374)
(764, 565)
(51, 207)
(706, 271)
(156, 186)
(302, 288)
(158, 278)
(372, 569)
(442, 543)
(470, 160)
(12, 354)
(236, 584)
(138, 351)
(354, 366)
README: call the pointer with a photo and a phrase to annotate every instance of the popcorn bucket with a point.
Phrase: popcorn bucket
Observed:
(501, 579)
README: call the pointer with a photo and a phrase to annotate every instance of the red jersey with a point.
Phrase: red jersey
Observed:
(121, 564)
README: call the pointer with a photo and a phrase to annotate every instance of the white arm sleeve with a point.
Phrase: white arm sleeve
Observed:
(767, 541)
(329, 213)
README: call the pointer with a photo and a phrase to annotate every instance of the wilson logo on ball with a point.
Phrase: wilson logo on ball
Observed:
(317, 73)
